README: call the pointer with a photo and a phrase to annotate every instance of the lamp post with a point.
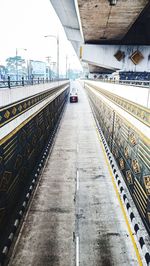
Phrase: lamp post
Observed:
(16, 64)
(57, 39)
(148, 97)
(53, 66)
(113, 2)
(17, 61)
(49, 62)
(66, 66)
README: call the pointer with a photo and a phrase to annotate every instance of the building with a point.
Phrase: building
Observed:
(3, 72)
(36, 69)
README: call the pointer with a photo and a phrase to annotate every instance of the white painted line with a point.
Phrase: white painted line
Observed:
(77, 251)
(77, 180)
(77, 148)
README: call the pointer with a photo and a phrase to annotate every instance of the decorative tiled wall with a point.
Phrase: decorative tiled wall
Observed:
(131, 150)
(20, 151)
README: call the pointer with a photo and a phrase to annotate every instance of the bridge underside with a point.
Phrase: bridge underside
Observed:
(98, 69)
(108, 30)
(116, 57)
(106, 24)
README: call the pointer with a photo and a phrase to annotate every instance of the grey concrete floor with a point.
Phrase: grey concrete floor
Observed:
(75, 218)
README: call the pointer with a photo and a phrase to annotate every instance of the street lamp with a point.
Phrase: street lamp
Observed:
(113, 2)
(66, 65)
(53, 67)
(49, 71)
(57, 39)
(17, 61)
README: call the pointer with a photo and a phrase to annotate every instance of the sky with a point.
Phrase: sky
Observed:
(24, 23)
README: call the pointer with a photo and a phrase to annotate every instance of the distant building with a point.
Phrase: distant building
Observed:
(73, 74)
(3, 72)
(36, 69)
(16, 67)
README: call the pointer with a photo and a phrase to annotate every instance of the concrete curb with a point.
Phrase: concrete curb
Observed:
(140, 239)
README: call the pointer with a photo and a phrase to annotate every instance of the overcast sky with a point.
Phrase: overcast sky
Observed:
(24, 23)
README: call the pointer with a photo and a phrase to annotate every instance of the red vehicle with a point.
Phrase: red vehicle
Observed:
(73, 96)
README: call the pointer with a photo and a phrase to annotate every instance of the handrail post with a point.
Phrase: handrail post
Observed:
(113, 127)
(9, 82)
(148, 96)
(23, 81)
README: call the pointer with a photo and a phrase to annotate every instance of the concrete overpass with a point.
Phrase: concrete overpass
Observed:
(113, 35)
(63, 198)
(75, 178)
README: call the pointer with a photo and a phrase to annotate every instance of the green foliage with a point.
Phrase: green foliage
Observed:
(13, 62)
(15, 59)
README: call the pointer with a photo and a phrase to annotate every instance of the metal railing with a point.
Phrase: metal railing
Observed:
(23, 82)
(142, 83)
(139, 83)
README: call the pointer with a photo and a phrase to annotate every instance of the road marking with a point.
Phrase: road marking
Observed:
(77, 177)
(77, 251)
(77, 148)
(120, 202)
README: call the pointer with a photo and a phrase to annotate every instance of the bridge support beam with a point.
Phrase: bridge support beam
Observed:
(117, 57)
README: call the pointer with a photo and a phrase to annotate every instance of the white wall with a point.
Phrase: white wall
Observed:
(103, 55)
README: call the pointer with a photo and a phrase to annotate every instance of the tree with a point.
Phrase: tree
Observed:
(16, 66)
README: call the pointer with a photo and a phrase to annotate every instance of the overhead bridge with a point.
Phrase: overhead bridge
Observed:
(74, 177)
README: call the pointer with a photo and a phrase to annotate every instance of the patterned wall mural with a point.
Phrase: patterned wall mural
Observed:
(131, 150)
(20, 152)
(10, 112)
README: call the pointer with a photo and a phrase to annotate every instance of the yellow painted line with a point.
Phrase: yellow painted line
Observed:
(120, 202)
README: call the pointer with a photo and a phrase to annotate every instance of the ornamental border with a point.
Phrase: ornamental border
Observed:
(11, 111)
(136, 110)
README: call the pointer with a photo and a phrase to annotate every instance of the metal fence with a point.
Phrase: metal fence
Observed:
(139, 83)
(23, 82)
(130, 148)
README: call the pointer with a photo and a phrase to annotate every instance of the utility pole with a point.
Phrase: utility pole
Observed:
(17, 61)
(57, 39)
(16, 64)
(57, 56)
(49, 62)
(66, 66)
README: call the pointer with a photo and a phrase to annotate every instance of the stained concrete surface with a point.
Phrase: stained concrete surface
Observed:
(100, 21)
(75, 199)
